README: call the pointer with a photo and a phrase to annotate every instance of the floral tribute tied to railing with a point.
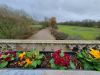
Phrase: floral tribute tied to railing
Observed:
(58, 60)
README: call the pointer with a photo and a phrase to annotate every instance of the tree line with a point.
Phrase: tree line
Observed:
(84, 23)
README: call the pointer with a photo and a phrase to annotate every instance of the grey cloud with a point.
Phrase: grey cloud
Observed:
(62, 9)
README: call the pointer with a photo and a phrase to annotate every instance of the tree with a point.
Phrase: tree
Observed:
(53, 23)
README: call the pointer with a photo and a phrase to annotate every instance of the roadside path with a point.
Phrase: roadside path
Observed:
(43, 34)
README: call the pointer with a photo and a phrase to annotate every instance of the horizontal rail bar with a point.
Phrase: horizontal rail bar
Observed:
(51, 41)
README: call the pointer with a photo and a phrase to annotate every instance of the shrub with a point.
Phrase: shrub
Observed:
(59, 35)
(44, 24)
(98, 38)
(75, 37)
(14, 24)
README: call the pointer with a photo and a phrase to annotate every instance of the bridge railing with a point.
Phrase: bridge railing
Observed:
(49, 45)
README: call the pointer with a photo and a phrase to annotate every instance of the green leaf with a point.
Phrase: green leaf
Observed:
(19, 51)
(33, 49)
(12, 58)
(40, 56)
(72, 65)
(53, 66)
(62, 53)
(38, 62)
(4, 56)
(84, 53)
(34, 64)
(79, 55)
(36, 53)
(29, 54)
(97, 68)
(91, 57)
(3, 64)
(89, 60)
(62, 68)
(4, 48)
(87, 66)
(51, 61)
(96, 65)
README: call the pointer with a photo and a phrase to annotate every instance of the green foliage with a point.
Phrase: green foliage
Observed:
(84, 23)
(4, 56)
(62, 53)
(3, 64)
(59, 35)
(54, 66)
(34, 64)
(35, 57)
(88, 62)
(13, 24)
(98, 37)
(72, 65)
(44, 24)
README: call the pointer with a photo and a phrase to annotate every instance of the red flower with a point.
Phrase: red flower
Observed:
(11, 53)
(8, 59)
(14, 54)
(56, 62)
(0, 55)
(61, 61)
(58, 51)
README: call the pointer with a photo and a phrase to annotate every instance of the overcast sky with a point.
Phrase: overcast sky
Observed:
(62, 9)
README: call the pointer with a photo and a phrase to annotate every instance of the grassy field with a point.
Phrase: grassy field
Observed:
(85, 33)
(38, 26)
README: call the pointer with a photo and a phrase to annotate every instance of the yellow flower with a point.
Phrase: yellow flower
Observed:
(28, 61)
(95, 53)
(21, 56)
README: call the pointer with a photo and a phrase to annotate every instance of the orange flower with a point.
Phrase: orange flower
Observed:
(28, 61)
(21, 56)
